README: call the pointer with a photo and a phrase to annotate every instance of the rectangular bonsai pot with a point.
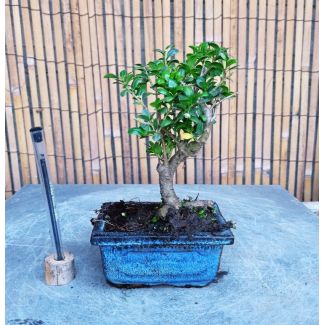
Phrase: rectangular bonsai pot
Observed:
(143, 259)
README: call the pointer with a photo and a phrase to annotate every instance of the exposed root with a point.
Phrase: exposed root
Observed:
(198, 204)
(163, 211)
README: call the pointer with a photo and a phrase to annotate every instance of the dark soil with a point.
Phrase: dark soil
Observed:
(143, 217)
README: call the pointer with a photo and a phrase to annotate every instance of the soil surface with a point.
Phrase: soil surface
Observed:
(143, 217)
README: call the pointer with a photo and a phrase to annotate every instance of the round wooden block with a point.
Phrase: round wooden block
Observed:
(59, 272)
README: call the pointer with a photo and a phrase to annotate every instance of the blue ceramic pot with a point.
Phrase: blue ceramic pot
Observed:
(140, 259)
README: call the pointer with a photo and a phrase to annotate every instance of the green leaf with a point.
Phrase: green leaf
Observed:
(123, 92)
(169, 99)
(145, 115)
(180, 74)
(154, 219)
(136, 131)
(155, 123)
(156, 103)
(155, 148)
(162, 91)
(223, 54)
(123, 73)
(110, 75)
(160, 51)
(230, 62)
(160, 81)
(146, 128)
(136, 82)
(214, 45)
(200, 81)
(142, 90)
(172, 83)
(188, 91)
(165, 75)
(216, 69)
(171, 52)
(162, 110)
(167, 121)
(156, 137)
(195, 119)
(215, 91)
(199, 128)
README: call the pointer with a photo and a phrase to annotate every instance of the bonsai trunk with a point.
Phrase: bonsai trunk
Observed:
(167, 192)
(167, 168)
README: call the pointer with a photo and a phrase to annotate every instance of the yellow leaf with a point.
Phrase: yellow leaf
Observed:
(185, 136)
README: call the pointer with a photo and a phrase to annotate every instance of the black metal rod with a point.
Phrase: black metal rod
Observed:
(51, 209)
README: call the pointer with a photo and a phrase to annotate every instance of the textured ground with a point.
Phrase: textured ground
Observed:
(272, 267)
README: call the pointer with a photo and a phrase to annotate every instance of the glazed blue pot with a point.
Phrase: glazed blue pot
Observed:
(143, 259)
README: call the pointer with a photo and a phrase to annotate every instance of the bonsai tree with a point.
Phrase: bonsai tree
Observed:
(179, 118)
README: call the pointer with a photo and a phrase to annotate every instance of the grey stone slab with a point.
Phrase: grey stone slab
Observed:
(272, 267)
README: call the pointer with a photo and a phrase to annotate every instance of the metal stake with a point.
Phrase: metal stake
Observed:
(40, 153)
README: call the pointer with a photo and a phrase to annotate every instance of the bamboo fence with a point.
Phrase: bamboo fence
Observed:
(58, 51)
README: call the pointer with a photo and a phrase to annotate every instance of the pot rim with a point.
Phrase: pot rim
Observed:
(100, 237)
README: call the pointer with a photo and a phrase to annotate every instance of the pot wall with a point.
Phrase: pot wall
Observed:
(177, 266)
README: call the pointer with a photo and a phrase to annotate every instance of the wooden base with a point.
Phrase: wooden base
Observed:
(59, 272)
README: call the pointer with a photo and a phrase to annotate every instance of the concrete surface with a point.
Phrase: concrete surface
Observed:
(272, 267)
(313, 206)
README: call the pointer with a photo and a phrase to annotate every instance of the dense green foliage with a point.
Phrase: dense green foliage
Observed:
(181, 93)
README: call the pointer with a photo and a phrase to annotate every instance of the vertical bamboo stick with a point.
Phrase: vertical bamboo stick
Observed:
(43, 89)
(31, 64)
(233, 102)
(23, 88)
(8, 171)
(304, 100)
(179, 44)
(103, 92)
(315, 196)
(279, 74)
(14, 167)
(55, 99)
(241, 97)
(149, 55)
(207, 177)
(97, 91)
(119, 36)
(250, 96)
(166, 21)
(114, 94)
(63, 91)
(268, 90)
(189, 40)
(90, 95)
(259, 92)
(312, 117)
(131, 107)
(73, 93)
(159, 28)
(80, 78)
(158, 24)
(143, 170)
(294, 129)
(217, 36)
(17, 101)
(225, 108)
(289, 46)
(198, 35)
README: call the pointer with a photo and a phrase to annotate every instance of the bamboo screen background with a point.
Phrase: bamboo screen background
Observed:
(58, 51)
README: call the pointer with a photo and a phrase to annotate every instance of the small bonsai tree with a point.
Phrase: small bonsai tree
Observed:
(186, 95)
